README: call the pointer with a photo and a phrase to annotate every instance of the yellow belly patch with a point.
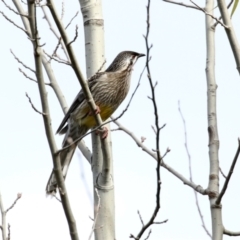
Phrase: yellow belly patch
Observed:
(90, 121)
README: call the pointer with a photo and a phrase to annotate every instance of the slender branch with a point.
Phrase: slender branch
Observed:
(24, 65)
(157, 127)
(54, 31)
(59, 200)
(57, 59)
(96, 216)
(210, 15)
(71, 20)
(4, 221)
(75, 37)
(140, 217)
(25, 21)
(3, 227)
(182, 4)
(63, 11)
(34, 108)
(185, 181)
(190, 171)
(9, 232)
(23, 15)
(231, 233)
(31, 79)
(55, 50)
(164, 221)
(221, 171)
(220, 18)
(218, 201)
(149, 233)
(11, 21)
(19, 195)
(232, 38)
(47, 123)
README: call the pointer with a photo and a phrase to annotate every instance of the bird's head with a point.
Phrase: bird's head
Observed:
(124, 61)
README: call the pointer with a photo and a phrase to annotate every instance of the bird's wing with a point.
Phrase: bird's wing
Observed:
(78, 100)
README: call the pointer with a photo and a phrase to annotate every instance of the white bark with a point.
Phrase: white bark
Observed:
(213, 186)
(94, 48)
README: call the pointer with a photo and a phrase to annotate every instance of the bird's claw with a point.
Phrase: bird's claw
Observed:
(96, 111)
(104, 132)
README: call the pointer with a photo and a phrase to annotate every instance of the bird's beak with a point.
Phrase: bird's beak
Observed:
(141, 55)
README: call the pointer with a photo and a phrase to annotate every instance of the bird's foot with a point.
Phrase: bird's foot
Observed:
(103, 132)
(96, 111)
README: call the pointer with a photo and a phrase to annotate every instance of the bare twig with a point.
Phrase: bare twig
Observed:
(210, 15)
(25, 75)
(34, 108)
(222, 173)
(3, 219)
(157, 128)
(24, 65)
(23, 15)
(149, 233)
(232, 37)
(9, 232)
(63, 10)
(71, 20)
(220, 18)
(164, 221)
(231, 233)
(54, 31)
(140, 217)
(54, 195)
(218, 201)
(57, 59)
(97, 212)
(185, 181)
(154, 130)
(101, 67)
(11, 21)
(190, 171)
(55, 50)
(4, 214)
(76, 35)
(181, 4)
(19, 195)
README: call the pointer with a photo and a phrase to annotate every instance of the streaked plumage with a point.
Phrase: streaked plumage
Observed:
(108, 89)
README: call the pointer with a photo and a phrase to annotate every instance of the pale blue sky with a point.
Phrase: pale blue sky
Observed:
(178, 64)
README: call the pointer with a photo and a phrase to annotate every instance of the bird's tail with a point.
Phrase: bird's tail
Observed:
(73, 132)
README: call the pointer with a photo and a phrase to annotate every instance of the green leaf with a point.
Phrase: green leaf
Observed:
(234, 7)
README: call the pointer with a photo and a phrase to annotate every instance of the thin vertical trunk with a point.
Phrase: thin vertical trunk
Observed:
(94, 48)
(213, 186)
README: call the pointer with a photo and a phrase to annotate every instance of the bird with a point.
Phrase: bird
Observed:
(108, 88)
